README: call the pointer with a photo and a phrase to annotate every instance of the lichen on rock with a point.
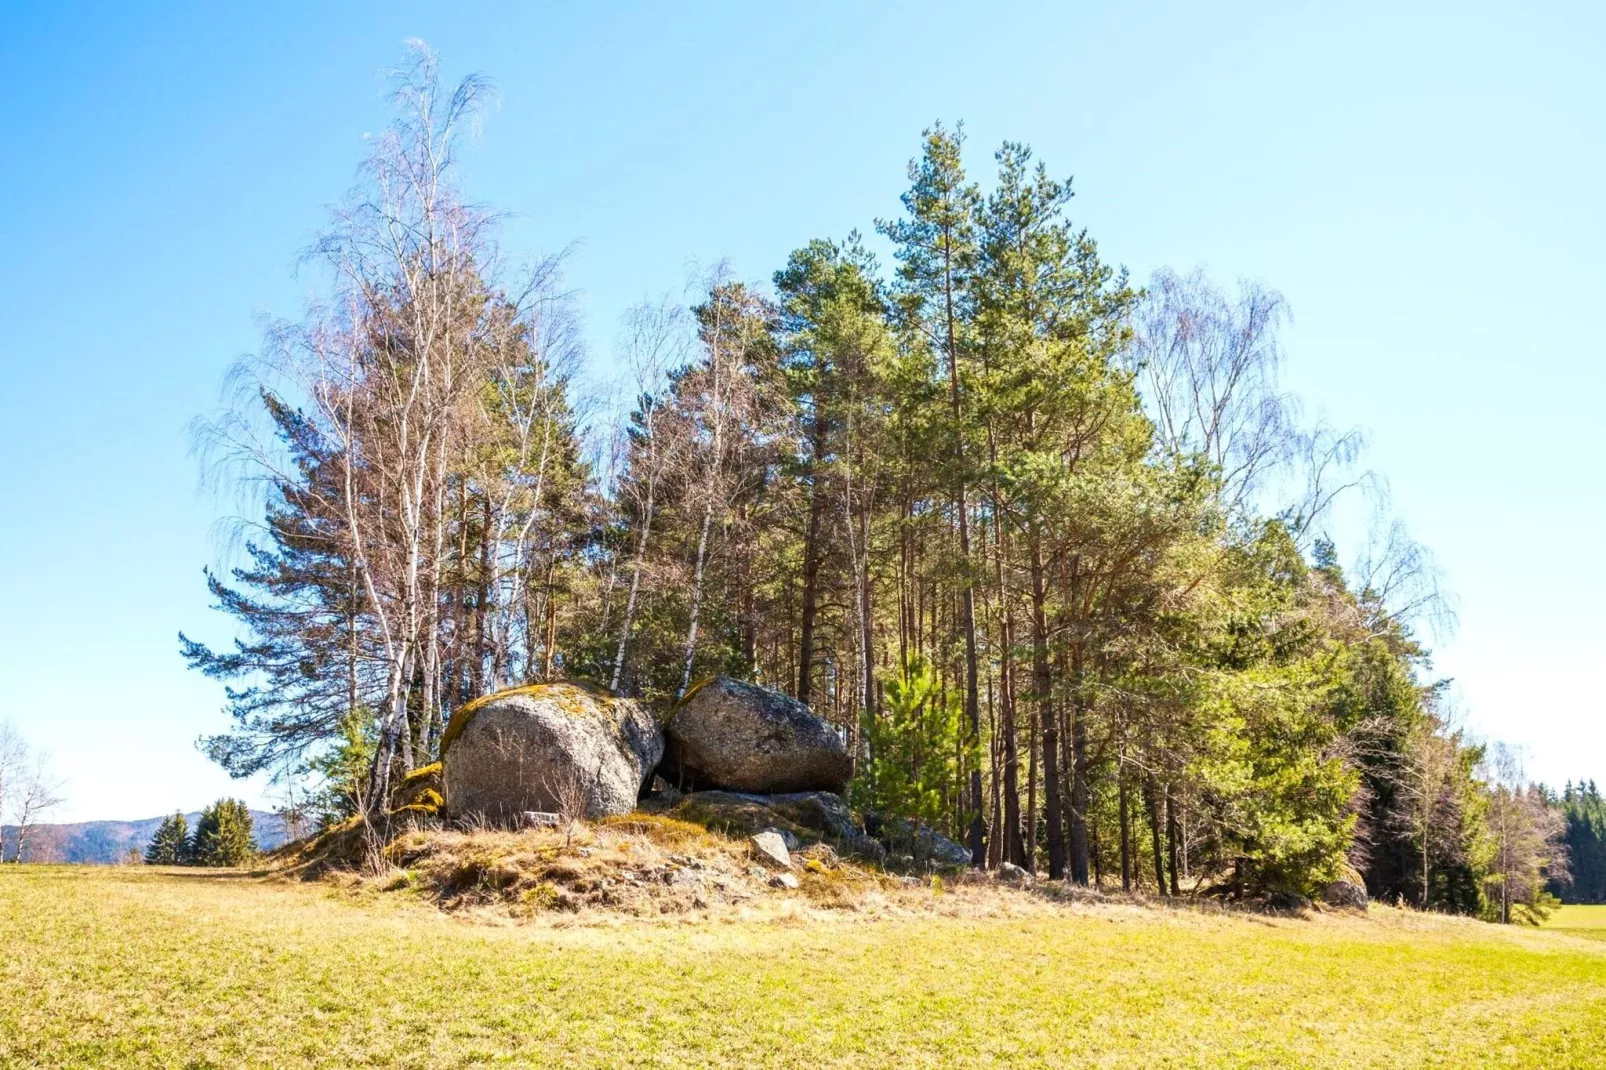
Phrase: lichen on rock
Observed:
(559, 747)
(736, 736)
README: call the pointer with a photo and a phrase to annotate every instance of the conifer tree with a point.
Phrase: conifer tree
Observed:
(936, 249)
(170, 845)
(223, 835)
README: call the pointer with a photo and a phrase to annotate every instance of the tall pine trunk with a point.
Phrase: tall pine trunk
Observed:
(1079, 787)
(1042, 685)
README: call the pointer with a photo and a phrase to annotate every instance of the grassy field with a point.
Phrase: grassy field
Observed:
(136, 967)
(1587, 921)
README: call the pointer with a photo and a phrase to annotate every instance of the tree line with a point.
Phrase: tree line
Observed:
(222, 837)
(1583, 813)
(1048, 547)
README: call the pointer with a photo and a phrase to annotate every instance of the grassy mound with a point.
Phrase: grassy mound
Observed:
(643, 864)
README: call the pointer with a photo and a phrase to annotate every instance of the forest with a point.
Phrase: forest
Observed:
(1050, 547)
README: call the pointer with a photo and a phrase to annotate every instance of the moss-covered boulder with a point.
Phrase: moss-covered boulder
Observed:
(418, 793)
(808, 816)
(736, 736)
(565, 747)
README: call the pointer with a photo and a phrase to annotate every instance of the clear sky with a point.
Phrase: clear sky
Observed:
(1423, 181)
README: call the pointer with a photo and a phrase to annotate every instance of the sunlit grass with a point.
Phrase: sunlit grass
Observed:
(135, 967)
(1581, 920)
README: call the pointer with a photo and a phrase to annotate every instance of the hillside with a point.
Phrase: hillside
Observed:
(110, 966)
(109, 842)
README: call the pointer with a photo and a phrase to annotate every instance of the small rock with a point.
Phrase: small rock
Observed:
(1009, 871)
(770, 850)
(756, 872)
(541, 819)
(791, 841)
(784, 880)
(820, 853)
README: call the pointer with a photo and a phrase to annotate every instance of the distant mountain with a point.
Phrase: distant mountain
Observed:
(106, 842)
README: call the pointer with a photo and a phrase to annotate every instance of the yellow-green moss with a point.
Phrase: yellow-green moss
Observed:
(659, 828)
(675, 706)
(423, 772)
(554, 689)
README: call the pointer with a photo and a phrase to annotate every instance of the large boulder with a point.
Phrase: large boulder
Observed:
(735, 736)
(1348, 891)
(1346, 894)
(561, 747)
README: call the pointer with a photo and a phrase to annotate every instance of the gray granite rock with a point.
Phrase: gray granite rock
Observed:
(726, 734)
(551, 748)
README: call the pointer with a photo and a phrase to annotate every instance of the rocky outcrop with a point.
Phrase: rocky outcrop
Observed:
(809, 817)
(561, 747)
(735, 736)
(922, 847)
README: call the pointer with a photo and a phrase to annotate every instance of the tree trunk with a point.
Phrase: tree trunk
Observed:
(1151, 797)
(811, 575)
(1079, 789)
(1014, 846)
(1031, 795)
(1171, 837)
(696, 600)
(1126, 827)
(1043, 686)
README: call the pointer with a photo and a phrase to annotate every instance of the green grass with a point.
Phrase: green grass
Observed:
(1580, 920)
(134, 967)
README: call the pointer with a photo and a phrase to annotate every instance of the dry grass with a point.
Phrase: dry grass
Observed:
(636, 865)
(137, 967)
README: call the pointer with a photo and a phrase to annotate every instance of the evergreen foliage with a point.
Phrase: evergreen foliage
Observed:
(1020, 529)
(1584, 812)
(170, 846)
(914, 749)
(223, 835)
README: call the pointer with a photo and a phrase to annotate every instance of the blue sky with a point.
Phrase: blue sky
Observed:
(1423, 182)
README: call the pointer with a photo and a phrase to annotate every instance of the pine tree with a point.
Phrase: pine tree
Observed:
(936, 249)
(914, 768)
(170, 846)
(223, 835)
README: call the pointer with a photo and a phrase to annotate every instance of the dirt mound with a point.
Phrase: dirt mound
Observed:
(632, 865)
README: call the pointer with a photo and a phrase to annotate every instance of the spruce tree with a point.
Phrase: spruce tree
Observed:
(223, 835)
(170, 845)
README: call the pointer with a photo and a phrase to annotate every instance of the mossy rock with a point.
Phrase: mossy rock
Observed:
(420, 791)
(565, 747)
(811, 816)
(566, 693)
(736, 736)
